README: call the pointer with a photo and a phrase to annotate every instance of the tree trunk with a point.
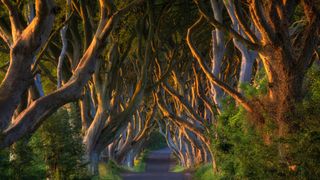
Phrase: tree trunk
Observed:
(217, 52)
(22, 52)
(94, 163)
(285, 85)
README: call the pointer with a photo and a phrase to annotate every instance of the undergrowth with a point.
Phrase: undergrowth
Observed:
(241, 152)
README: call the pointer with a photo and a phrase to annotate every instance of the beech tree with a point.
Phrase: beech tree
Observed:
(285, 57)
(128, 68)
(28, 120)
(24, 42)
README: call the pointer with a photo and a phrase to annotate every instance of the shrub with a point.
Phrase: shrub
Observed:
(240, 149)
(59, 144)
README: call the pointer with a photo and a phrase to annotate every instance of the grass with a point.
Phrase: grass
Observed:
(108, 171)
(204, 173)
(177, 169)
(112, 171)
(140, 165)
(140, 162)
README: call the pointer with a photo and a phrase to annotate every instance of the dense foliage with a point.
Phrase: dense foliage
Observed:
(54, 151)
(242, 154)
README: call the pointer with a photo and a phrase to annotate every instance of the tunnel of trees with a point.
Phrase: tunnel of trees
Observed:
(231, 84)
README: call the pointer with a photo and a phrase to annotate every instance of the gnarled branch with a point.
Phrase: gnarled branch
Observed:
(200, 59)
(227, 29)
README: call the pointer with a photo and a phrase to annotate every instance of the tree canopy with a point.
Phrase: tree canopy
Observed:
(230, 83)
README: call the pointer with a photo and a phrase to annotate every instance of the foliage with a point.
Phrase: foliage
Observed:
(108, 171)
(24, 163)
(177, 169)
(204, 173)
(4, 164)
(240, 150)
(305, 142)
(140, 162)
(54, 151)
(242, 153)
(4, 59)
(21, 162)
(156, 141)
(60, 145)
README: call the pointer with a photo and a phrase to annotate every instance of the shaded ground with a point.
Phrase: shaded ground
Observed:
(158, 164)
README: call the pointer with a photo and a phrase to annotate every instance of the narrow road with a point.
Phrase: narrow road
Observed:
(158, 164)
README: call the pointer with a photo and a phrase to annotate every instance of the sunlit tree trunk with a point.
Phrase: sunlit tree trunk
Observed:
(26, 43)
(247, 56)
(64, 41)
(30, 119)
(286, 58)
(217, 51)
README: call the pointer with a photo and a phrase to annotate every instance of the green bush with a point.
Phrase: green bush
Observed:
(4, 164)
(24, 163)
(59, 144)
(205, 173)
(140, 162)
(240, 149)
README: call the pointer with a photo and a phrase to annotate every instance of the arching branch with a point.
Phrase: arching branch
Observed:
(200, 59)
(260, 21)
(242, 22)
(183, 101)
(225, 28)
(31, 118)
(179, 120)
(16, 24)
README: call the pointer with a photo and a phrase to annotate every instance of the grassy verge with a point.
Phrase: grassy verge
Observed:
(177, 169)
(112, 171)
(109, 171)
(140, 163)
(204, 173)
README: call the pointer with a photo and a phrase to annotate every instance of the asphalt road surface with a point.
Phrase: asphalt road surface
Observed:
(158, 164)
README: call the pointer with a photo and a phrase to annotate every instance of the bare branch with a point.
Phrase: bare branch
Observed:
(245, 27)
(260, 22)
(200, 59)
(207, 101)
(31, 118)
(183, 101)
(225, 28)
(177, 119)
(5, 36)
(310, 37)
(16, 25)
(149, 119)
(53, 34)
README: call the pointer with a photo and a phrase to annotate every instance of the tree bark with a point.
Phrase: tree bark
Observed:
(217, 52)
(31, 118)
(22, 53)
